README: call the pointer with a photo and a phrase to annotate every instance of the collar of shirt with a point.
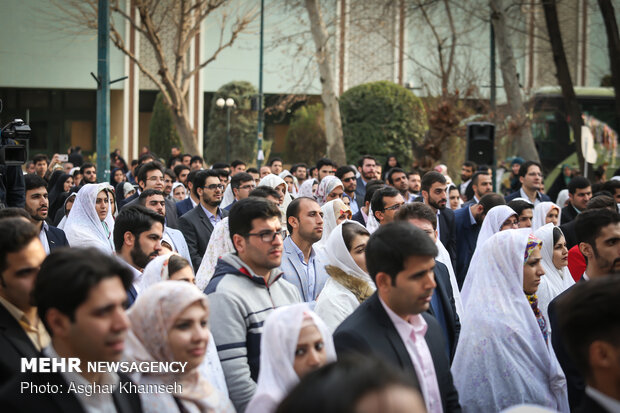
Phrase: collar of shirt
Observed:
(43, 237)
(36, 330)
(364, 215)
(472, 220)
(415, 328)
(193, 202)
(608, 403)
(585, 276)
(525, 196)
(213, 218)
(576, 210)
(300, 254)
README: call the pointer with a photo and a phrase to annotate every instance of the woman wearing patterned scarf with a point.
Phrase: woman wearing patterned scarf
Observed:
(503, 357)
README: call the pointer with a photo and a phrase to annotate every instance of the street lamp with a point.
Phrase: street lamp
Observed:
(229, 103)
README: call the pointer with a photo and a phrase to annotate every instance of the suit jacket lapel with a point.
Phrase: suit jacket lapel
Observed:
(16, 335)
(204, 218)
(299, 271)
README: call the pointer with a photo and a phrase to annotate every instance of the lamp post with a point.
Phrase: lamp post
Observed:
(229, 103)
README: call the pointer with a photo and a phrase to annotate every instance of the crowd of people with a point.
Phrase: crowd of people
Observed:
(318, 288)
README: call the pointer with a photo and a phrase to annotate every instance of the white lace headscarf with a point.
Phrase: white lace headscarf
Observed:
(326, 186)
(562, 197)
(540, 214)
(331, 213)
(339, 256)
(274, 181)
(493, 222)
(277, 354)
(286, 173)
(83, 227)
(305, 189)
(219, 245)
(502, 358)
(555, 280)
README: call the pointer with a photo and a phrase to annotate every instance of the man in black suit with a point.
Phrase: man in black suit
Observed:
(434, 195)
(589, 317)
(385, 203)
(37, 206)
(598, 202)
(197, 224)
(151, 176)
(346, 174)
(192, 200)
(531, 178)
(366, 167)
(442, 304)
(579, 193)
(482, 184)
(598, 233)
(80, 295)
(21, 332)
(393, 324)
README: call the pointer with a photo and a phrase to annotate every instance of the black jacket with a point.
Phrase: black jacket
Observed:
(369, 330)
(171, 210)
(197, 228)
(568, 214)
(14, 344)
(466, 238)
(446, 297)
(56, 238)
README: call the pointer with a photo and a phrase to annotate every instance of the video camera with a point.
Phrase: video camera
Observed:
(12, 153)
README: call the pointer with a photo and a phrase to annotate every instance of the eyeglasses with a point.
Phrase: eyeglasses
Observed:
(213, 187)
(248, 187)
(349, 179)
(394, 207)
(155, 179)
(268, 236)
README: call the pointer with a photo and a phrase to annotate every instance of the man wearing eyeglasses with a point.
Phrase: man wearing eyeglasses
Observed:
(530, 175)
(246, 287)
(241, 185)
(197, 224)
(347, 175)
(385, 204)
(151, 176)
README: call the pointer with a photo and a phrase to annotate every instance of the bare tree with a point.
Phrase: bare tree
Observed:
(333, 123)
(173, 69)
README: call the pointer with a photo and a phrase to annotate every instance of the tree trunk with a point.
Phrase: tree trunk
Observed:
(185, 131)
(520, 123)
(613, 44)
(333, 125)
(573, 111)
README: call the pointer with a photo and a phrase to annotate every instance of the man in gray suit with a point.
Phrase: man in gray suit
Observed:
(197, 224)
(303, 266)
(154, 200)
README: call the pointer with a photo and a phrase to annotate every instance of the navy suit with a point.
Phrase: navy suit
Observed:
(359, 217)
(568, 214)
(56, 238)
(360, 191)
(184, 206)
(445, 312)
(466, 237)
(517, 194)
(447, 232)
(370, 331)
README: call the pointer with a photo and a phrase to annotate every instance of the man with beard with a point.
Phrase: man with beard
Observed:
(415, 182)
(531, 178)
(89, 174)
(434, 194)
(481, 184)
(37, 206)
(366, 167)
(246, 287)
(197, 224)
(398, 179)
(299, 171)
(468, 221)
(347, 175)
(467, 171)
(137, 240)
(598, 233)
(302, 264)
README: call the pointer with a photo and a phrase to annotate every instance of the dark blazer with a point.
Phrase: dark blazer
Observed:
(466, 237)
(13, 400)
(446, 297)
(447, 232)
(568, 214)
(370, 331)
(517, 194)
(56, 238)
(569, 234)
(359, 217)
(171, 210)
(574, 380)
(230, 206)
(184, 206)
(589, 405)
(14, 344)
(197, 228)
(360, 191)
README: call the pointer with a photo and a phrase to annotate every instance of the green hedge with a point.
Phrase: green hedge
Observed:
(162, 131)
(305, 138)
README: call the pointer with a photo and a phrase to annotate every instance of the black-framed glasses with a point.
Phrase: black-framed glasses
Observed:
(268, 236)
(349, 179)
(251, 187)
(393, 207)
(213, 187)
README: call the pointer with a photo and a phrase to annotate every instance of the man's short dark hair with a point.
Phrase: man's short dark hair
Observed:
(13, 212)
(293, 210)
(526, 165)
(325, 162)
(589, 223)
(476, 176)
(34, 181)
(470, 164)
(391, 172)
(170, 173)
(221, 172)
(343, 170)
(16, 235)
(519, 205)
(589, 312)
(135, 219)
(416, 210)
(252, 170)
(611, 186)
(414, 172)
(144, 158)
(430, 178)
(220, 165)
(371, 187)
(86, 166)
(236, 163)
(390, 245)
(297, 166)
(240, 178)
(361, 160)
(602, 201)
(147, 193)
(274, 159)
(201, 178)
(491, 200)
(148, 167)
(180, 168)
(69, 274)
(196, 158)
(377, 203)
(40, 157)
(186, 155)
(246, 210)
(264, 191)
(578, 182)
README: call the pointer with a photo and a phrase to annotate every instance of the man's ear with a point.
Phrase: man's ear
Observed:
(378, 217)
(58, 323)
(293, 222)
(521, 179)
(383, 280)
(238, 242)
(586, 249)
(129, 239)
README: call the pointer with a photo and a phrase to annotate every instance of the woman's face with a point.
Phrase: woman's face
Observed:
(281, 189)
(314, 187)
(454, 199)
(179, 193)
(532, 271)
(101, 205)
(289, 183)
(310, 352)
(358, 251)
(185, 274)
(560, 254)
(510, 223)
(112, 203)
(189, 335)
(69, 205)
(68, 184)
(346, 200)
(392, 162)
(335, 194)
(130, 193)
(119, 176)
(552, 217)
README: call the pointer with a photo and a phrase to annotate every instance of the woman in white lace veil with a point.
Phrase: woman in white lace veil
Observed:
(219, 245)
(555, 263)
(281, 350)
(325, 191)
(495, 221)
(545, 213)
(292, 187)
(90, 222)
(334, 213)
(306, 188)
(503, 357)
(277, 183)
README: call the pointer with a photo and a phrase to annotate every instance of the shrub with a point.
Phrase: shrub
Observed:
(305, 139)
(162, 131)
